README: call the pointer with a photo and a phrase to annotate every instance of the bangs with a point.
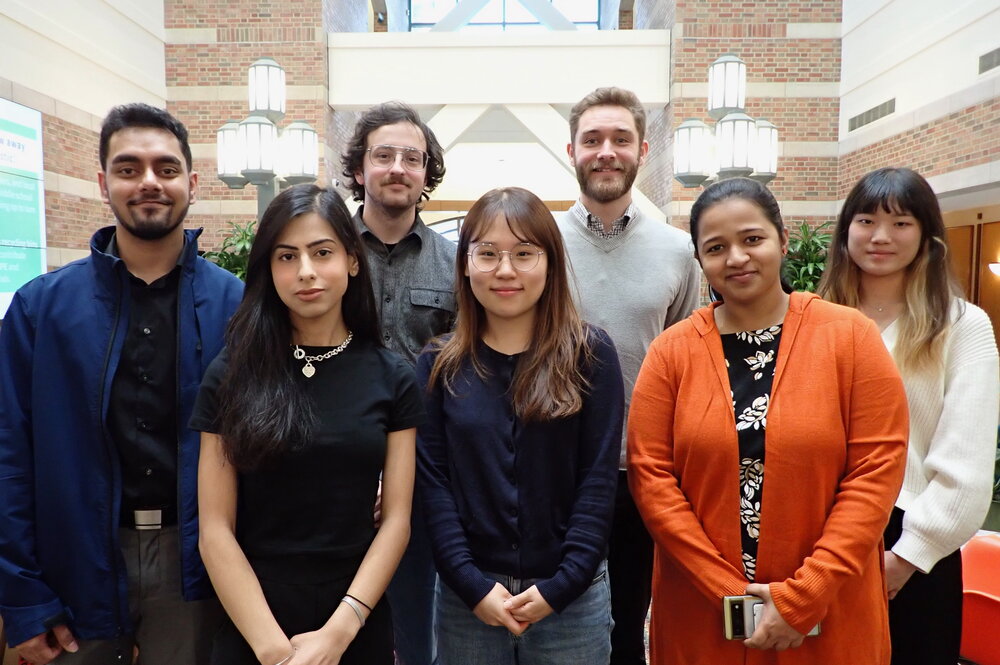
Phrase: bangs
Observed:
(885, 190)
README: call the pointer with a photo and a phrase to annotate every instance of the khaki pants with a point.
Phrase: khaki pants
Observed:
(168, 630)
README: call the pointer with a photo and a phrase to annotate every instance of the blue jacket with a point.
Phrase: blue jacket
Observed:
(60, 476)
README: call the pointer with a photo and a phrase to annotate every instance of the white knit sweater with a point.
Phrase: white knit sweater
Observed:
(953, 434)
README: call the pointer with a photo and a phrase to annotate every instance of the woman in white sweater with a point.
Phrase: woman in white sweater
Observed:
(889, 259)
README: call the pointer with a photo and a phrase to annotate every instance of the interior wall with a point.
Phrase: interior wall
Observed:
(989, 284)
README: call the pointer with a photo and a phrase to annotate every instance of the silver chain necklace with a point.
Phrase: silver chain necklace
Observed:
(308, 370)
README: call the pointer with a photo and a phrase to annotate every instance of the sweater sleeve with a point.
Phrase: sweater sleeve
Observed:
(668, 515)
(27, 603)
(877, 428)
(450, 546)
(688, 295)
(585, 543)
(959, 462)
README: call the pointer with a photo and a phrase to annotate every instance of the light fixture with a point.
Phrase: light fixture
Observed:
(229, 156)
(256, 151)
(267, 89)
(300, 153)
(727, 86)
(736, 136)
(692, 161)
(739, 145)
(995, 268)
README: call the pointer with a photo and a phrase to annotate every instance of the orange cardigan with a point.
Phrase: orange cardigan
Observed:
(834, 458)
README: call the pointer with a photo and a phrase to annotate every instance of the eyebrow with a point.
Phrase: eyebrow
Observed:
(744, 231)
(129, 159)
(314, 243)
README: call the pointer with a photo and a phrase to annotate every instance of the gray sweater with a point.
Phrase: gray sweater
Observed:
(633, 285)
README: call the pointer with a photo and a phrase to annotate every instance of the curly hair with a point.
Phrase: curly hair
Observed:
(380, 115)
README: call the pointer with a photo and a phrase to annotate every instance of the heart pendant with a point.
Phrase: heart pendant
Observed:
(308, 371)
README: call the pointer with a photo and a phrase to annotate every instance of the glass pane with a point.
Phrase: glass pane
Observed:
(430, 11)
(518, 13)
(491, 13)
(578, 10)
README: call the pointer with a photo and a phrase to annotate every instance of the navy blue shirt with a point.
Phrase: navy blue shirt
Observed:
(533, 500)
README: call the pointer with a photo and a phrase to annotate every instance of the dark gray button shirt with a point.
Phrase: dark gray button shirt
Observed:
(414, 286)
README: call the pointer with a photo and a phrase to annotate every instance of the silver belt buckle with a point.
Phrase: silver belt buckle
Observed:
(148, 520)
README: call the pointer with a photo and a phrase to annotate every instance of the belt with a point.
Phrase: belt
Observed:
(150, 519)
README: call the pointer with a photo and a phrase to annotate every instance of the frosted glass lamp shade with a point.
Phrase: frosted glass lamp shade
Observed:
(727, 86)
(267, 89)
(692, 152)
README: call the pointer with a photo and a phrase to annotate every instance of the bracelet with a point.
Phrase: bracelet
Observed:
(363, 603)
(286, 658)
(353, 604)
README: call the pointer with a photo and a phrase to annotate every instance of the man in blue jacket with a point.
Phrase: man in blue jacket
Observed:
(101, 363)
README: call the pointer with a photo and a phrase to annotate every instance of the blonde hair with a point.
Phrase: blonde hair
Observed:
(930, 289)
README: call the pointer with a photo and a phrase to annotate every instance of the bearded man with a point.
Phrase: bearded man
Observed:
(636, 276)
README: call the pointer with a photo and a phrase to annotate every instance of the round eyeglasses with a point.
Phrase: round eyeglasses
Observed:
(486, 257)
(384, 156)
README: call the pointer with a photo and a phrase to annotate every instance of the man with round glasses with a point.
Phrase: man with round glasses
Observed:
(636, 276)
(392, 164)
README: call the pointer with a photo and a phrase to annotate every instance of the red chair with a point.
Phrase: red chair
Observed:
(981, 600)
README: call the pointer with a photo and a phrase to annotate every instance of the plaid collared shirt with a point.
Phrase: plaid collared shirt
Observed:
(595, 224)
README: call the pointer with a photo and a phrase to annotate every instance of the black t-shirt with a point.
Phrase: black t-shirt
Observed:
(318, 499)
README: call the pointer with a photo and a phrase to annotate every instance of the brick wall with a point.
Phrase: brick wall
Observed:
(962, 139)
(245, 30)
(758, 33)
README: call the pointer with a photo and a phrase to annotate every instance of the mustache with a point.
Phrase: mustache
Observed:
(605, 165)
(395, 180)
(165, 200)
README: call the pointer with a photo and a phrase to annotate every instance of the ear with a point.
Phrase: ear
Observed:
(192, 187)
(359, 177)
(353, 266)
(784, 242)
(572, 157)
(643, 151)
(102, 183)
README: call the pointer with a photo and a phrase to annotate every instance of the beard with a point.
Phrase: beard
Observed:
(392, 201)
(607, 190)
(150, 225)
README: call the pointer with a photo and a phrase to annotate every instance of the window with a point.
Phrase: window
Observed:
(504, 15)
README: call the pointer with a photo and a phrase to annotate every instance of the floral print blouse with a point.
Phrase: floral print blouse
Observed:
(750, 360)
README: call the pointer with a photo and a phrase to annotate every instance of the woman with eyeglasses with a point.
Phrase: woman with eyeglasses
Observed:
(889, 259)
(299, 416)
(766, 441)
(518, 457)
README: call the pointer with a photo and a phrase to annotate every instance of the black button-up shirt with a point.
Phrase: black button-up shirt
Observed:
(414, 285)
(142, 414)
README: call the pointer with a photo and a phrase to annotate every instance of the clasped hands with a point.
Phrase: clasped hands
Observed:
(772, 631)
(515, 613)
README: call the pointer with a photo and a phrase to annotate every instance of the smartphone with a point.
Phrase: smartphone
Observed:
(738, 613)
(741, 614)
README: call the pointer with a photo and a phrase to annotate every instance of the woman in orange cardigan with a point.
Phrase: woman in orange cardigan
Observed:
(766, 443)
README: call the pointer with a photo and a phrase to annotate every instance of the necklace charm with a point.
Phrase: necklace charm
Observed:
(308, 370)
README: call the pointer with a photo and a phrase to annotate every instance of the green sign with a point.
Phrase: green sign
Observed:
(22, 199)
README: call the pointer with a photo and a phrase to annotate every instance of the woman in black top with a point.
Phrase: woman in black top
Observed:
(519, 454)
(299, 416)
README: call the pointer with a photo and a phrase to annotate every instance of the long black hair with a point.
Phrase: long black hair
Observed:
(263, 410)
(737, 188)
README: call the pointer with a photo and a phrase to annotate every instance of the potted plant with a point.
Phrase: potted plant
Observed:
(235, 249)
(806, 259)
